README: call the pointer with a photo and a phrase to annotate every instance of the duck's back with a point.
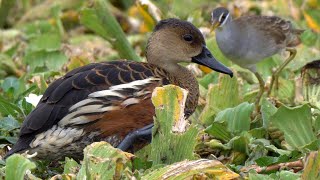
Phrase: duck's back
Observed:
(100, 101)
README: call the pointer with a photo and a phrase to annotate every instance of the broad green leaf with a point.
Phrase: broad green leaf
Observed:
(89, 19)
(37, 28)
(267, 110)
(296, 124)
(257, 150)
(7, 108)
(269, 160)
(52, 60)
(47, 42)
(102, 161)
(216, 144)
(265, 66)
(258, 133)
(286, 91)
(277, 150)
(220, 96)
(314, 145)
(10, 139)
(170, 127)
(212, 169)
(309, 38)
(209, 78)
(287, 175)
(139, 163)
(240, 143)
(26, 106)
(9, 124)
(237, 118)
(219, 131)
(16, 167)
(255, 176)
(71, 166)
(10, 82)
(283, 175)
(101, 20)
(214, 48)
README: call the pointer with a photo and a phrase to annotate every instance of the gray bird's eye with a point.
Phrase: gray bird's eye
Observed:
(222, 18)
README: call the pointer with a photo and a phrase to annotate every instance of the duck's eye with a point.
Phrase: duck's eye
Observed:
(188, 37)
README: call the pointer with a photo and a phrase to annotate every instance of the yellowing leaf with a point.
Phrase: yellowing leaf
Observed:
(150, 13)
(312, 17)
(198, 169)
(312, 166)
(205, 69)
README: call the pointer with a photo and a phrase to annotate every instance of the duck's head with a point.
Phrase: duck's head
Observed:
(174, 41)
(219, 17)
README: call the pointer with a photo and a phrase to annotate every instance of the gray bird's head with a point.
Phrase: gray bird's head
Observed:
(219, 17)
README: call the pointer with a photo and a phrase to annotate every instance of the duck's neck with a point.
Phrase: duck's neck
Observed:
(182, 77)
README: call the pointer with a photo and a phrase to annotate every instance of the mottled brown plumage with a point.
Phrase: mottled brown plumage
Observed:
(107, 101)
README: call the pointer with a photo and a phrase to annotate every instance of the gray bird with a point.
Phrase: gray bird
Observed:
(249, 39)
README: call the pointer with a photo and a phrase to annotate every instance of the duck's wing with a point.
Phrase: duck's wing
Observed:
(87, 93)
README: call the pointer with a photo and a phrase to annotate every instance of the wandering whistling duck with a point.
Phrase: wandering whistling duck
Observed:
(111, 101)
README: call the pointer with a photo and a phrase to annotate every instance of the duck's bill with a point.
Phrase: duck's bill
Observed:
(205, 58)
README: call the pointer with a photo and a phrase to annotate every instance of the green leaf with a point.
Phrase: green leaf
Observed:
(139, 163)
(212, 169)
(26, 107)
(240, 143)
(101, 20)
(47, 42)
(267, 110)
(7, 65)
(37, 28)
(269, 160)
(52, 60)
(296, 124)
(237, 118)
(10, 82)
(102, 161)
(258, 133)
(16, 167)
(9, 124)
(10, 139)
(219, 131)
(287, 175)
(317, 125)
(209, 79)
(255, 176)
(7, 108)
(312, 166)
(220, 96)
(71, 166)
(309, 38)
(170, 132)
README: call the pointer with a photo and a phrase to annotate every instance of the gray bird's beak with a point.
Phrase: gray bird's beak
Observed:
(205, 58)
(214, 24)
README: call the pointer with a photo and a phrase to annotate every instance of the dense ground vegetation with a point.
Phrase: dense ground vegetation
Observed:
(40, 40)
